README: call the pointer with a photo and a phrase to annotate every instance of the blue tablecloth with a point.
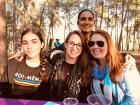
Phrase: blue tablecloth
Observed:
(4, 101)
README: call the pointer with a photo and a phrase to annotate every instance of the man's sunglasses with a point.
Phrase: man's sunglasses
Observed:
(99, 43)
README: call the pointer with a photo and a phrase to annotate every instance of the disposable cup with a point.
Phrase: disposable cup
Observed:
(98, 99)
(70, 101)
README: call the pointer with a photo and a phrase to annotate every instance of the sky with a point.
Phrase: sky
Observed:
(59, 31)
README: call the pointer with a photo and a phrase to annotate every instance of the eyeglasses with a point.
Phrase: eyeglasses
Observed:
(72, 44)
(99, 43)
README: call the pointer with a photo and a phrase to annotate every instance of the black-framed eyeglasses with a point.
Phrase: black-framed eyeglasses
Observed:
(72, 44)
(99, 43)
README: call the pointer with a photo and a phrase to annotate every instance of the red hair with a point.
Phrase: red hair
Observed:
(113, 57)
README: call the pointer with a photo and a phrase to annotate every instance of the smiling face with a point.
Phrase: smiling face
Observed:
(98, 50)
(31, 45)
(73, 47)
(86, 21)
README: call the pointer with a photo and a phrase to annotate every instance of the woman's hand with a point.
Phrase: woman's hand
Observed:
(18, 56)
(129, 61)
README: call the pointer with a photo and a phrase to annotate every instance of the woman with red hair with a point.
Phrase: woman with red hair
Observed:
(108, 76)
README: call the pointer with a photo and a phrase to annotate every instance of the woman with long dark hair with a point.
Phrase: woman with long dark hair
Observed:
(26, 76)
(69, 80)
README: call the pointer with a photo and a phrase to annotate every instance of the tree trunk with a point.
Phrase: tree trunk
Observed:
(102, 14)
(124, 15)
(25, 12)
(41, 16)
(3, 45)
(15, 41)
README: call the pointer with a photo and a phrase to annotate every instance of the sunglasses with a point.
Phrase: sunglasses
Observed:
(99, 43)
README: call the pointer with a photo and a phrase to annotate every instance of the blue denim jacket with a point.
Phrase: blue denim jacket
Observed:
(127, 92)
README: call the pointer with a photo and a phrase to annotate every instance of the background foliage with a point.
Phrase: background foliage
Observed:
(121, 18)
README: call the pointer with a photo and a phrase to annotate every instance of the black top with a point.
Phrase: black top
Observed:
(23, 81)
(67, 81)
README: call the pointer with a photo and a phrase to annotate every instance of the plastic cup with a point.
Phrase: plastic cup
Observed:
(98, 99)
(70, 101)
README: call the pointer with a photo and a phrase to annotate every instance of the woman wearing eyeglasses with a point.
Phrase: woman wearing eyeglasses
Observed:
(69, 79)
(85, 23)
(109, 78)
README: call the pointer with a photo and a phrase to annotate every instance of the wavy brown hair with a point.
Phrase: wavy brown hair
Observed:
(43, 73)
(113, 57)
(80, 59)
(83, 59)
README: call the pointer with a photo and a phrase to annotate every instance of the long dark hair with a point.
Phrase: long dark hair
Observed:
(83, 60)
(80, 58)
(43, 59)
